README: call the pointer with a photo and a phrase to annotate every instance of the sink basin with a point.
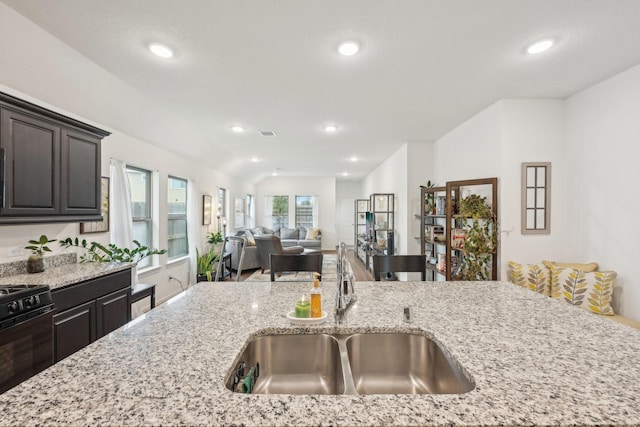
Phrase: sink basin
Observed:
(401, 363)
(367, 363)
(295, 364)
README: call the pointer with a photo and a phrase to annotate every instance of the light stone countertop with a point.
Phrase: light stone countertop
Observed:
(535, 361)
(66, 274)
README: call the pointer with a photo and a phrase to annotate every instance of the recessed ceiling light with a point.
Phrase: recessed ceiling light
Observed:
(274, 174)
(345, 173)
(330, 128)
(539, 46)
(353, 159)
(161, 50)
(254, 159)
(237, 128)
(348, 48)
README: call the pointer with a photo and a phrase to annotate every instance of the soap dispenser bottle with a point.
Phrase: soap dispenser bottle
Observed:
(316, 297)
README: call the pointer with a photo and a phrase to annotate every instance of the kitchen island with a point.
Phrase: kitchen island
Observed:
(534, 361)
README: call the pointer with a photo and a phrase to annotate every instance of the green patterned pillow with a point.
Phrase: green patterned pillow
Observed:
(590, 291)
(531, 276)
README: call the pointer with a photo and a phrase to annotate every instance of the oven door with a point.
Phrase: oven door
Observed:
(25, 349)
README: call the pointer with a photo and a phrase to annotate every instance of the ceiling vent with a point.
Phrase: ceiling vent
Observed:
(267, 133)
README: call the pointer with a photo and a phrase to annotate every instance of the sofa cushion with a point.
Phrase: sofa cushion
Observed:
(535, 277)
(288, 233)
(588, 290)
(249, 236)
(587, 268)
(312, 233)
(257, 231)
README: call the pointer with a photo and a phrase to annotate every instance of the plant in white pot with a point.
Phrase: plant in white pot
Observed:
(35, 262)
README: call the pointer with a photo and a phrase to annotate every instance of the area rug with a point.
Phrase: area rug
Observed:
(329, 273)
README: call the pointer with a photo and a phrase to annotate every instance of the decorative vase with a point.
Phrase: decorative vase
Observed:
(35, 264)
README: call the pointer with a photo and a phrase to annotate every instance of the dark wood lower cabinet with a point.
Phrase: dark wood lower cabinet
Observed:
(89, 310)
(113, 311)
(73, 330)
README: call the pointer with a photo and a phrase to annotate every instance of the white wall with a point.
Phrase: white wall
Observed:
(602, 139)
(494, 143)
(391, 177)
(419, 171)
(323, 187)
(346, 194)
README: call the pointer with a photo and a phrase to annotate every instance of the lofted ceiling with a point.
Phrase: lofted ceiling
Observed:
(424, 67)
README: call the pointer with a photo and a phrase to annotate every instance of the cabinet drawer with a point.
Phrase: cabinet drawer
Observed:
(82, 292)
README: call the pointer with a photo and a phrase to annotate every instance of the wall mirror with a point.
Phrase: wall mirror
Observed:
(536, 198)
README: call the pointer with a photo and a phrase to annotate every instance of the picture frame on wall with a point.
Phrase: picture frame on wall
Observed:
(99, 226)
(206, 209)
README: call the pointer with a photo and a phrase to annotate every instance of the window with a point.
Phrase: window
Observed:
(177, 242)
(279, 211)
(536, 198)
(140, 186)
(304, 211)
(250, 212)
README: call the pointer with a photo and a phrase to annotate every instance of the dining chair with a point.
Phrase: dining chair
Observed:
(399, 264)
(297, 262)
(269, 244)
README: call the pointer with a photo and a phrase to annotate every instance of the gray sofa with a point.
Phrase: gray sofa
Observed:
(288, 237)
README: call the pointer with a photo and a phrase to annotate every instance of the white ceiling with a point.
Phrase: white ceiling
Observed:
(270, 65)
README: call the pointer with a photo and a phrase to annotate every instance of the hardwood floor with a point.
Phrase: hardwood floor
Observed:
(360, 273)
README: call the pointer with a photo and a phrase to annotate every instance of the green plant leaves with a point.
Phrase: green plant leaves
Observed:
(97, 252)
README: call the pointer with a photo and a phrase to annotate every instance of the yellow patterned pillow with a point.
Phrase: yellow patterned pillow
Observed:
(587, 268)
(591, 291)
(531, 276)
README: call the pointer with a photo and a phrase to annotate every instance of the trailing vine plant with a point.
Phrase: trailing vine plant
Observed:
(96, 252)
(481, 242)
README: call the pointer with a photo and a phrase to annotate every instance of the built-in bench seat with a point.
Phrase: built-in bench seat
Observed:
(624, 320)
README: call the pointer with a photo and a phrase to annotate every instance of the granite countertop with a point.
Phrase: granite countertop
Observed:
(66, 274)
(534, 361)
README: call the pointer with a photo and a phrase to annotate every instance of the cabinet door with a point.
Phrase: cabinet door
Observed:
(80, 174)
(74, 329)
(113, 311)
(31, 172)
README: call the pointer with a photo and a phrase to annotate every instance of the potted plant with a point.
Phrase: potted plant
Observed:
(215, 240)
(97, 252)
(481, 238)
(429, 199)
(206, 265)
(35, 262)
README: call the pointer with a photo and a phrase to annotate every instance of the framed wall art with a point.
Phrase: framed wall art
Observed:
(99, 226)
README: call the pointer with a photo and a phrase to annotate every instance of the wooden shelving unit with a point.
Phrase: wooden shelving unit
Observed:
(445, 258)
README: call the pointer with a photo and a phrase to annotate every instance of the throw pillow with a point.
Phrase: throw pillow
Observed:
(587, 268)
(588, 290)
(256, 231)
(288, 233)
(312, 234)
(531, 276)
(250, 239)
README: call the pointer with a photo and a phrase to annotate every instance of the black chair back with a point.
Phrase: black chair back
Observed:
(398, 264)
(298, 262)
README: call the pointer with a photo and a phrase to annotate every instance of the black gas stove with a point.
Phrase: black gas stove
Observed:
(22, 302)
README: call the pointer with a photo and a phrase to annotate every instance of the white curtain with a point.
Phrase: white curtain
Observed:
(121, 229)
(315, 203)
(268, 211)
(193, 228)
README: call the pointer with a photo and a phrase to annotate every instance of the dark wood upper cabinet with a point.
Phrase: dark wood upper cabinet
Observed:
(50, 165)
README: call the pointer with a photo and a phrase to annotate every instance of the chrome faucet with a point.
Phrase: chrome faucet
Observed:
(345, 295)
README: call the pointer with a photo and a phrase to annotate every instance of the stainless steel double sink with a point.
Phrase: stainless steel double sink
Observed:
(361, 363)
